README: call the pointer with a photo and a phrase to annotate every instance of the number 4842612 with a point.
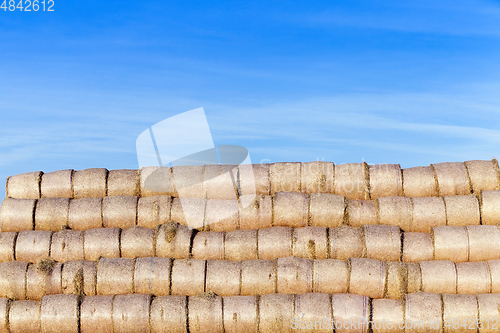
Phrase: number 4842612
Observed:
(28, 5)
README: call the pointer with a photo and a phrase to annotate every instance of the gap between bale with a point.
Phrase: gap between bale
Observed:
(46, 265)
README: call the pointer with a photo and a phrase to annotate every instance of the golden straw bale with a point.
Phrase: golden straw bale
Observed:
(101, 242)
(324, 270)
(397, 280)
(208, 245)
(7, 245)
(451, 243)
(258, 214)
(131, 313)
(188, 277)
(153, 211)
(386, 315)
(188, 181)
(314, 311)
(205, 313)
(462, 210)
(490, 207)
(24, 317)
(419, 182)
(90, 183)
(115, 276)
(396, 211)
(220, 182)
(473, 278)
(367, 277)
(24, 186)
(414, 281)
(123, 182)
(57, 184)
(5, 304)
(386, 180)
(85, 213)
(383, 242)
(276, 312)
(484, 242)
(439, 276)
(483, 175)
(168, 314)
(290, 209)
(488, 312)
(310, 242)
(240, 245)
(152, 276)
(79, 277)
(275, 242)
(352, 180)
(254, 179)
(346, 242)
(423, 313)
(417, 246)
(13, 279)
(494, 266)
(60, 313)
(33, 245)
(222, 215)
(361, 212)
(317, 177)
(96, 314)
(189, 212)
(285, 177)
(17, 214)
(258, 277)
(137, 242)
(428, 212)
(452, 178)
(326, 210)
(173, 240)
(223, 277)
(43, 278)
(119, 211)
(294, 275)
(240, 314)
(460, 309)
(52, 214)
(351, 312)
(67, 245)
(160, 183)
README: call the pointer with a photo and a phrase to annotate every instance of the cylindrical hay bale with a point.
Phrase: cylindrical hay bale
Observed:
(326, 210)
(460, 309)
(276, 313)
(131, 313)
(168, 314)
(160, 183)
(115, 276)
(4, 314)
(208, 245)
(367, 277)
(352, 180)
(345, 242)
(489, 315)
(258, 277)
(310, 242)
(285, 177)
(414, 280)
(351, 313)
(361, 212)
(450, 243)
(33, 245)
(17, 214)
(13, 279)
(57, 184)
(101, 242)
(397, 280)
(240, 314)
(439, 276)
(417, 246)
(385, 180)
(123, 182)
(396, 211)
(52, 214)
(90, 183)
(473, 278)
(220, 182)
(452, 178)
(24, 317)
(189, 212)
(42, 279)
(484, 242)
(462, 210)
(223, 277)
(387, 314)
(67, 245)
(96, 314)
(315, 310)
(494, 266)
(222, 215)
(490, 208)
(85, 213)
(428, 212)
(240, 245)
(383, 242)
(258, 214)
(317, 177)
(483, 175)
(419, 182)
(137, 242)
(188, 181)
(152, 276)
(254, 179)
(205, 313)
(275, 242)
(79, 277)
(290, 209)
(423, 311)
(60, 313)
(7, 246)
(294, 275)
(153, 211)
(119, 211)
(24, 186)
(173, 241)
(324, 270)
(188, 277)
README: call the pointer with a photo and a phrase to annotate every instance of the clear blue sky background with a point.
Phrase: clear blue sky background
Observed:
(409, 82)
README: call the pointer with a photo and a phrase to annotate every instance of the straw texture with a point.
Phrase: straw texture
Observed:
(294, 275)
(254, 179)
(452, 178)
(351, 308)
(451, 243)
(483, 175)
(285, 177)
(119, 211)
(102, 242)
(24, 317)
(459, 309)
(137, 242)
(417, 246)
(13, 279)
(310, 242)
(220, 182)
(419, 182)
(345, 243)
(90, 183)
(351, 180)
(67, 245)
(168, 314)
(385, 180)
(223, 277)
(490, 207)
(462, 210)
(317, 177)
(173, 240)
(85, 213)
(24, 186)
(222, 215)
(115, 276)
(57, 184)
(274, 242)
(17, 214)
(395, 211)
(188, 277)
(42, 279)
(208, 245)
(315, 310)
(382, 242)
(367, 277)
(205, 314)
(240, 314)
(152, 276)
(153, 211)
(131, 313)
(439, 276)
(163, 181)
(258, 277)
(425, 308)
(52, 214)
(258, 214)
(326, 210)
(290, 209)
(276, 312)
(33, 245)
(428, 212)
(96, 314)
(361, 212)
(473, 278)
(60, 313)
(7, 246)
(324, 270)
(123, 182)
(240, 245)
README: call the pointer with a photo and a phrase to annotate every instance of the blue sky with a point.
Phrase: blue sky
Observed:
(409, 82)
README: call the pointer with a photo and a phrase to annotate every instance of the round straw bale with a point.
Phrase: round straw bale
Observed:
(5, 304)
(208, 245)
(188, 181)
(223, 277)
(42, 279)
(473, 278)
(314, 311)
(276, 312)
(258, 214)
(324, 270)
(290, 209)
(90, 183)
(123, 182)
(346, 242)
(423, 313)
(367, 277)
(24, 186)
(317, 177)
(60, 313)
(351, 312)
(188, 277)
(67, 245)
(253, 179)
(352, 180)
(168, 314)
(52, 214)
(397, 280)
(119, 211)
(152, 276)
(131, 313)
(240, 314)
(439, 276)
(490, 207)
(383, 242)
(57, 184)
(153, 211)
(494, 266)
(489, 316)
(79, 277)
(294, 275)
(310, 242)
(285, 177)
(484, 242)
(96, 314)
(460, 309)
(450, 243)
(452, 178)
(189, 212)
(462, 210)
(17, 214)
(483, 175)
(205, 313)
(258, 277)
(419, 182)
(115, 276)
(396, 211)
(240, 245)
(101, 242)
(387, 314)
(32, 245)
(220, 182)
(361, 212)
(13, 279)
(7, 245)
(222, 215)
(385, 180)
(326, 210)
(428, 212)
(137, 242)
(24, 317)
(275, 242)
(414, 281)
(160, 183)
(85, 213)
(173, 240)
(417, 246)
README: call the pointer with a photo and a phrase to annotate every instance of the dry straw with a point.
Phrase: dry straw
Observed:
(96, 314)
(52, 214)
(115, 276)
(285, 177)
(162, 181)
(276, 312)
(24, 317)
(137, 242)
(208, 245)
(189, 209)
(7, 246)
(13, 279)
(123, 182)
(205, 313)
(473, 278)
(168, 314)
(417, 246)
(131, 313)
(17, 214)
(452, 178)
(274, 242)
(483, 175)
(57, 184)
(385, 311)
(102, 242)
(484, 242)
(188, 181)
(42, 279)
(419, 182)
(461, 308)
(326, 209)
(90, 183)
(240, 314)
(222, 215)
(188, 277)
(314, 308)
(490, 207)
(451, 243)
(367, 277)
(290, 209)
(462, 210)
(361, 212)
(85, 213)
(152, 276)
(382, 242)
(5, 304)
(153, 211)
(254, 179)
(351, 308)
(258, 277)
(240, 245)
(33, 245)
(428, 212)
(494, 266)
(317, 177)
(346, 242)
(25, 185)
(488, 309)
(351, 180)
(323, 270)
(397, 280)
(395, 211)
(310, 242)
(257, 214)
(119, 211)
(220, 182)
(60, 313)
(294, 275)
(425, 308)
(79, 277)
(223, 277)
(439, 276)
(67, 245)
(385, 180)
(173, 240)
